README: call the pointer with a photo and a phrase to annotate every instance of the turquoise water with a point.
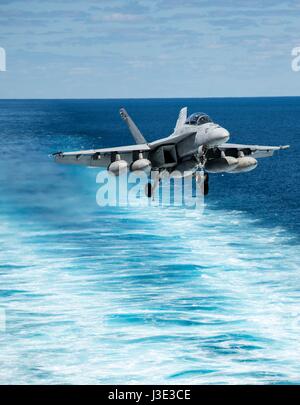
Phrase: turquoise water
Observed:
(164, 295)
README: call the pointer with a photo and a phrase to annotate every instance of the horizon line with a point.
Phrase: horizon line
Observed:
(142, 98)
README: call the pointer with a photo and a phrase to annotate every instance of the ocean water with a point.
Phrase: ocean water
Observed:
(161, 295)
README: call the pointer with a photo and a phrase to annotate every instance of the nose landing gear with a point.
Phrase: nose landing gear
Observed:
(202, 178)
(206, 184)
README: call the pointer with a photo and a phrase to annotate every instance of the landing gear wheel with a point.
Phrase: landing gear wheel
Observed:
(206, 184)
(148, 190)
(202, 179)
(151, 189)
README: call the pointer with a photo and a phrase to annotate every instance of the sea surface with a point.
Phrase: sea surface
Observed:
(160, 295)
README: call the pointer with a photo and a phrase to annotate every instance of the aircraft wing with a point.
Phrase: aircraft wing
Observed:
(103, 157)
(255, 151)
(99, 157)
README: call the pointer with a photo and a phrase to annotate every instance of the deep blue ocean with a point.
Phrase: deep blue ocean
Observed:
(161, 295)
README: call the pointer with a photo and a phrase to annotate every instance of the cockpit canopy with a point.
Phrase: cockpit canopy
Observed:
(198, 119)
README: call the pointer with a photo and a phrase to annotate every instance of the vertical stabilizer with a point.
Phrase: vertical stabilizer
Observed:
(181, 118)
(136, 133)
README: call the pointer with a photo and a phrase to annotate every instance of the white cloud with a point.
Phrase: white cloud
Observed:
(121, 17)
(80, 71)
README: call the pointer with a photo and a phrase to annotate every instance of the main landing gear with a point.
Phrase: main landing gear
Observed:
(202, 180)
(149, 188)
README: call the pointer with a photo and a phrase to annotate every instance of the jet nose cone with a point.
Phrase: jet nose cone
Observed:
(219, 135)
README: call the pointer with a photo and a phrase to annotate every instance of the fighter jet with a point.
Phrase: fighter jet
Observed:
(197, 146)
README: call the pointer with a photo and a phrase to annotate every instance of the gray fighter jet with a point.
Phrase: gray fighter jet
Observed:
(197, 146)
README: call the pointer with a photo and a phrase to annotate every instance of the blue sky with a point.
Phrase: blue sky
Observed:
(156, 48)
